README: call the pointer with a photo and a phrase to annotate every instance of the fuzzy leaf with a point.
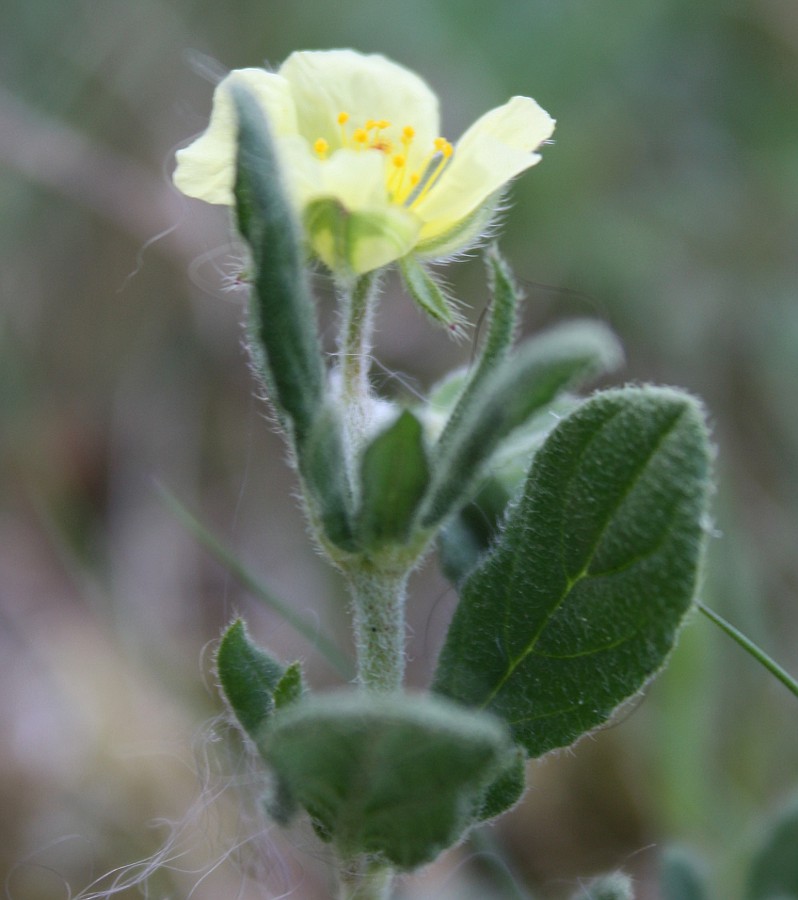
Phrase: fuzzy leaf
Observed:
(505, 790)
(282, 320)
(501, 330)
(290, 687)
(394, 476)
(580, 602)
(466, 537)
(519, 387)
(392, 775)
(249, 677)
(322, 464)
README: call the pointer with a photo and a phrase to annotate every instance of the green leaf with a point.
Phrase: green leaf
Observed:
(505, 790)
(681, 876)
(394, 476)
(282, 322)
(509, 396)
(465, 538)
(580, 602)
(249, 677)
(774, 870)
(290, 687)
(392, 775)
(501, 330)
(429, 295)
(323, 466)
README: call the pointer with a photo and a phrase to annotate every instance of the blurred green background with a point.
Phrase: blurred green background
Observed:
(668, 207)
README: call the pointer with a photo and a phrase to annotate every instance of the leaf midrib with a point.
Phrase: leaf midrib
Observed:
(573, 581)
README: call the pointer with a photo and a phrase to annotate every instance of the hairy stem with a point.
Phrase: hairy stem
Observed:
(355, 359)
(377, 587)
(378, 599)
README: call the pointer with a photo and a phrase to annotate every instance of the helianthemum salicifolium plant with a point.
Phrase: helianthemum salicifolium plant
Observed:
(571, 528)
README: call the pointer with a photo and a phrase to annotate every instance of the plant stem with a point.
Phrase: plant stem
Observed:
(377, 586)
(378, 599)
(358, 300)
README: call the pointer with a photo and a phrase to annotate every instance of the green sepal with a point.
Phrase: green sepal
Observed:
(466, 537)
(248, 677)
(395, 776)
(579, 604)
(523, 384)
(429, 295)
(682, 876)
(354, 242)
(282, 321)
(467, 233)
(393, 478)
(774, 871)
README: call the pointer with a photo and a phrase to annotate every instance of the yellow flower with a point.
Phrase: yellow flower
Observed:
(363, 160)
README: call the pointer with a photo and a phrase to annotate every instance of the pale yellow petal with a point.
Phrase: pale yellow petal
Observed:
(206, 168)
(355, 178)
(326, 83)
(496, 148)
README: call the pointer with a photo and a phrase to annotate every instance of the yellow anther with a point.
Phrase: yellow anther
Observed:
(321, 147)
(414, 179)
(447, 150)
(440, 143)
(343, 118)
(360, 136)
(408, 133)
(370, 123)
(399, 161)
(383, 123)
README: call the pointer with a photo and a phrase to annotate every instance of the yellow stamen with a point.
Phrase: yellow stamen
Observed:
(405, 187)
(343, 118)
(431, 173)
(397, 176)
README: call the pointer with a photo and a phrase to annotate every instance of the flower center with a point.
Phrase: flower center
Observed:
(406, 186)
